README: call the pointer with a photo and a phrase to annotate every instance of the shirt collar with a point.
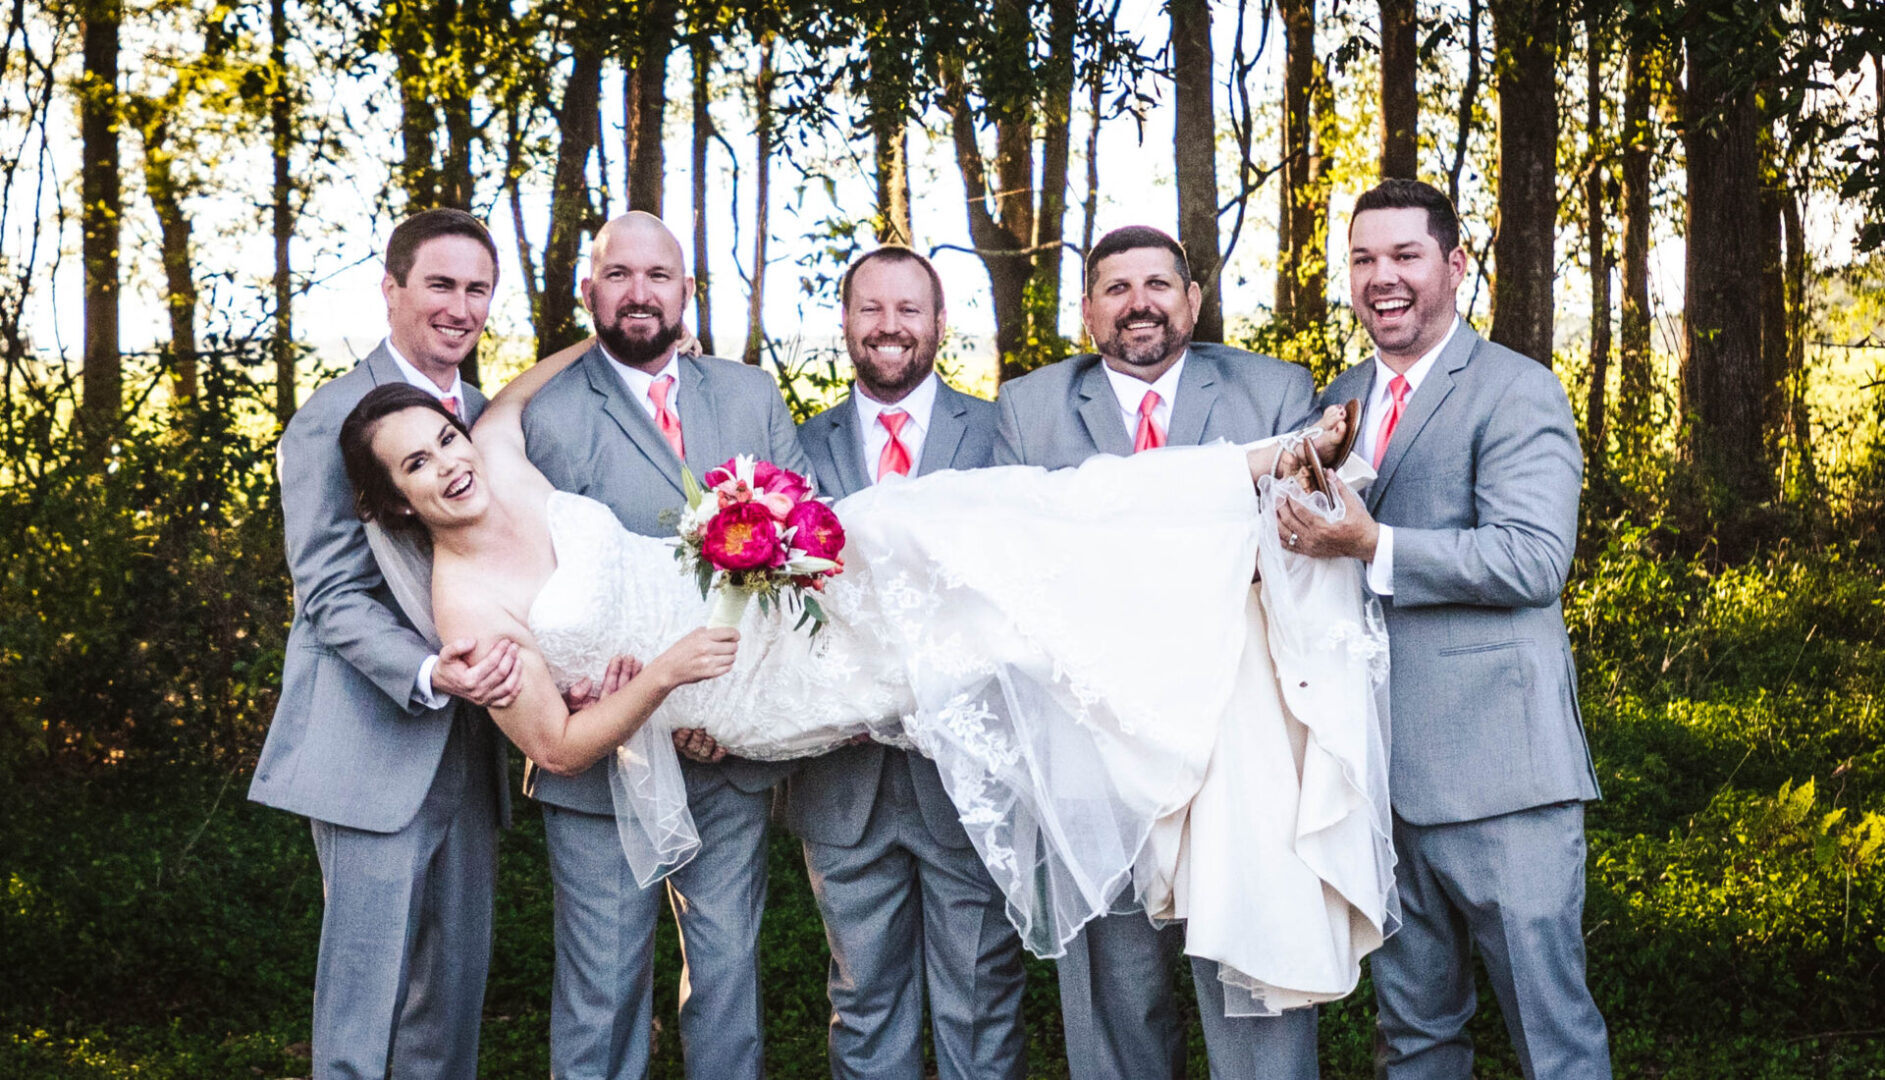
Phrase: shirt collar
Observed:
(419, 378)
(1414, 375)
(919, 403)
(1130, 390)
(638, 381)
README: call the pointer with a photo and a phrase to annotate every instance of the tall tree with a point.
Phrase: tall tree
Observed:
(887, 96)
(1635, 375)
(165, 191)
(700, 48)
(1525, 34)
(1469, 99)
(762, 204)
(645, 101)
(571, 212)
(1302, 273)
(1725, 382)
(1194, 152)
(1596, 201)
(100, 218)
(282, 212)
(1400, 90)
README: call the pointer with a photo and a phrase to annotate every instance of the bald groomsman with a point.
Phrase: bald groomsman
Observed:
(907, 904)
(619, 425)
(1151, 386)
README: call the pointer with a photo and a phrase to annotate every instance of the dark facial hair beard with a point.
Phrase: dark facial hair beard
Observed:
(637, 351)
(1146, 356)
(922, 361)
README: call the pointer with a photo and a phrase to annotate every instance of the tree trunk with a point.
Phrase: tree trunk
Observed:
(885, 99)
(1524, 32)
(1050, 215)
(1400, 90)
(1302, 233)
(1724, 381)
(646, 104)
(418, 123)
(1096, 91)
(1194, 154)
(179, 275)
(762, 207)
(1799, 420)
(1469, 95)
(513, 170)
(454, 98)
(1636, 377)
(100, 218)
(702, 53)
(570, 209)
(1596, 202)
(282, 212)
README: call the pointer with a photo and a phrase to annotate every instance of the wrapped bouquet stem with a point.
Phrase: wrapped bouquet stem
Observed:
(756, 530)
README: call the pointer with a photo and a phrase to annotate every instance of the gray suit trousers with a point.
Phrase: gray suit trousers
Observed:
(902, 912)
(605, 928)
(1123, 1028)
(1513, 886)
(406, 931)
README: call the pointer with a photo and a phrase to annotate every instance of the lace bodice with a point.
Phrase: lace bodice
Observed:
(615, 592)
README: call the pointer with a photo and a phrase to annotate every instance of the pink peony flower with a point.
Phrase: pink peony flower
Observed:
(819, 533)
(742, 537)
(779, 505)
(772, 479)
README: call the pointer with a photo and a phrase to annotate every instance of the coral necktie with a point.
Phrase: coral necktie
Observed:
(1151, 436)
(450, 401)
(665, 418)
(896, 456)
(1397, 389)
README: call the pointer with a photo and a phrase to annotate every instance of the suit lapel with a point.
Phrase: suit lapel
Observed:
(700, 421)
(1421, 407)
(845, 444)
(381, 366)
(946, 428)
(1197, 393)
(474, 404)
(631, 417)
(1100, 412)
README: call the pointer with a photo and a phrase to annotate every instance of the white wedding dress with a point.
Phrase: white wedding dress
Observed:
(1121, 718)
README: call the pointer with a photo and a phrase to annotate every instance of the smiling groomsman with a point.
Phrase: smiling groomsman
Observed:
(1468, 533)
(1151, 386)
(402, 781)
(620, 425)
(907, 903)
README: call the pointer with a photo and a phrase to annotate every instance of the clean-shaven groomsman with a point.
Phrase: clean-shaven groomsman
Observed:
(1151, 386)
(403, 782)
(907, 903)
(619, 425)
(1468, 532)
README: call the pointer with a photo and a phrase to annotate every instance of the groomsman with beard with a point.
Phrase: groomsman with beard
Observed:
(1151, 386)
(376, 739)
(1468, 533)
(619, 425)
(907, 903)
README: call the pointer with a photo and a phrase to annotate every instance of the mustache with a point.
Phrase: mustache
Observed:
(1150, 315)
(908, 341)
(623, 311)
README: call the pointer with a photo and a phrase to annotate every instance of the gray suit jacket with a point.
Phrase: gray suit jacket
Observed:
(1066, 412)
(350, 743)
(1480, 482)
(588, 436)
(829, 799)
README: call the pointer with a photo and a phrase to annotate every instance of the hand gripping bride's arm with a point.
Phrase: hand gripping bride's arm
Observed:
(539, 721)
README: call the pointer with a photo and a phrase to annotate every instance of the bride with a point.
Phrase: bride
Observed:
(1119, 716)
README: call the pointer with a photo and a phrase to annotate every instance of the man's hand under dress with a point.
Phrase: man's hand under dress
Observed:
(695, 744)
(492, 681)
(1307, 533)
(588, 692)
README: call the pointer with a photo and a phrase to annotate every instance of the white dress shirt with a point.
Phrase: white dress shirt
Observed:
(1380, 399)
(1130, 391)
(919, 403)
(422, 686)
(638, 381)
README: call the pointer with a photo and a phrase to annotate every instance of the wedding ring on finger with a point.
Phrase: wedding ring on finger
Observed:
(1292, 539)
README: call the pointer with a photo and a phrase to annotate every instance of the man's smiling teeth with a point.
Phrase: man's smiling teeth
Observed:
(453, 332)
(1392, 307)
(889, 349)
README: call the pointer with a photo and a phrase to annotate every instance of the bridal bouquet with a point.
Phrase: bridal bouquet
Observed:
(756, 530)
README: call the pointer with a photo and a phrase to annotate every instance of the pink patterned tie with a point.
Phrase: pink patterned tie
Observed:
(896, 456)
(1151, 436)
(665, 419)
(1397, 389)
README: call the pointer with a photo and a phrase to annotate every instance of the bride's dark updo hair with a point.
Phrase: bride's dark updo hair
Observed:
(375, 497)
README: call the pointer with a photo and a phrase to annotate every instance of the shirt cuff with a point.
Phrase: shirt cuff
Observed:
(1381, 570)
(425, 694)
